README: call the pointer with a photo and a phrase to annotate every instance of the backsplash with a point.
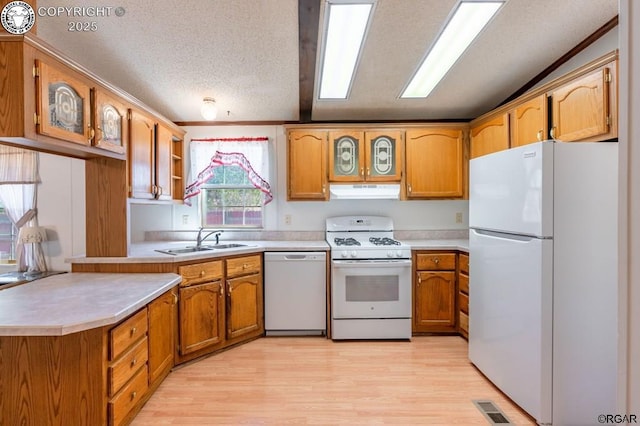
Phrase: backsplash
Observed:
(443, 234)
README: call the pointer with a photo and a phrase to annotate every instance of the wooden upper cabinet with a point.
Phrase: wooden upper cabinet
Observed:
(582, 109)
(110, 122)
(141, 155)
(63, 106)
(529, 122)
(384, 151)
(307, 165)
(346, 156)
(358, 156)
(434, 163)
(490, 135)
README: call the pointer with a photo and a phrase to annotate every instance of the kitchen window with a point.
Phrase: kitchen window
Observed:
(8, 237)
(230, 181)
(229, 199)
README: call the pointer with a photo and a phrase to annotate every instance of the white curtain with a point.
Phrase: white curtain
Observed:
(203, 151)
(18, 192)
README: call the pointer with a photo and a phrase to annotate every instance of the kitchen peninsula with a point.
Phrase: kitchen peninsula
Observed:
(84, 348)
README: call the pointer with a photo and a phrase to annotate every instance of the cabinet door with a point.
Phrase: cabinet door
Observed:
(434, 301)
(201, 316)
(529, 122)
(581, 109)
(141, 155)
(244, 306)
(164, 163)
(307, 165)
(111, 126)
(346, 156)
(64, 104)
(490, 135)
(434, 163)
(384, 151)
(162, 325)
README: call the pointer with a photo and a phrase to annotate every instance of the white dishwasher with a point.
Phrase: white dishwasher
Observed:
(295, 293)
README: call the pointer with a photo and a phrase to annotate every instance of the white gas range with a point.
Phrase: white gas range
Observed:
(370, 279)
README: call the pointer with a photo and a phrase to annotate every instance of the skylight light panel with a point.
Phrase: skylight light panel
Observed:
(462, 28)
(345, 28)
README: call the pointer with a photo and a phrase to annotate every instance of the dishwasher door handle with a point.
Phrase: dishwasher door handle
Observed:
(296, 257)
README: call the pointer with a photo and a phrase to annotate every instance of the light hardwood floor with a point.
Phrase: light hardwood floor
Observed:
(312, 380)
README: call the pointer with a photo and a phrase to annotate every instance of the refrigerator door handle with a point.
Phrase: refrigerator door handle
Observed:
(507, 236)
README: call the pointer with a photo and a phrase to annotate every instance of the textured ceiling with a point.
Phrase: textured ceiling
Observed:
(244, 53)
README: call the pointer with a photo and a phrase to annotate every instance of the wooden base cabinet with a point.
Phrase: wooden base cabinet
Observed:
(100, 376)
(434, 292)
(219, 309)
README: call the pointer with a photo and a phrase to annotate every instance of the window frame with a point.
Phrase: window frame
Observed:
(11, 237)
(246, 185)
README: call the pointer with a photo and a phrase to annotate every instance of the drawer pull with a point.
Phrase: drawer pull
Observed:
(133, 330)
(245, 265)
(134, 362)
(133, 395)
(436, 260)
(202, 273)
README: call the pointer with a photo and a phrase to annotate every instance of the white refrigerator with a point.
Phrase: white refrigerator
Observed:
(543, 289)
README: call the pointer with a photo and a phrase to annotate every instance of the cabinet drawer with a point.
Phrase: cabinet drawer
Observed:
(200, 272)
(436, 261)
(463, 302)
(463, 283)
(243, 266)
(464, 263)
(127, 333)
(127, 365)
(464, 322)
(126, 399)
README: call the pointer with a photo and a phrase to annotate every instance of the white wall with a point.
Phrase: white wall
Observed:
(305, 216)
(61, 209)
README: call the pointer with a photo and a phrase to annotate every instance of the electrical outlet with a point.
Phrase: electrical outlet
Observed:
(287, 219)
(459, 217)
(185, 219)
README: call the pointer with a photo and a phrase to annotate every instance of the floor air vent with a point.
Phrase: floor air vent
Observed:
(491, 411)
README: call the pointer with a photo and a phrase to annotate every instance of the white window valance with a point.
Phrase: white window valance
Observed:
(249, 153)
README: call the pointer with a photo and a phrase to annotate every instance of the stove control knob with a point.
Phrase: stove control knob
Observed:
(344, 254)
(398, 253)
(354, 253)
(389, 254)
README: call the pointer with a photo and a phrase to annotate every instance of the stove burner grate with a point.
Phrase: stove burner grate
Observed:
(384, 241)
(346, 242)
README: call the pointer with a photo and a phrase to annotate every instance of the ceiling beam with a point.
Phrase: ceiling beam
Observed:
(308, 21)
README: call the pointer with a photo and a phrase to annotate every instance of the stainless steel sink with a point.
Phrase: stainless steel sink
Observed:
(227, 246)
(185, 250)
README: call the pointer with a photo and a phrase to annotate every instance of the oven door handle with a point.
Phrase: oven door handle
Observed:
(371, 263)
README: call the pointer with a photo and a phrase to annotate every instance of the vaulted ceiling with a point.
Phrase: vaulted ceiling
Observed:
(251, 57)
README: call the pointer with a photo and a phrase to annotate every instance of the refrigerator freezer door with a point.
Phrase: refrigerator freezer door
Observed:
(512, 191)
(510, 305)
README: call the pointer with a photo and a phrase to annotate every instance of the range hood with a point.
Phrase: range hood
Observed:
(387, 191)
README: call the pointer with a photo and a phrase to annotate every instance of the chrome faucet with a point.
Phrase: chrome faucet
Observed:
(200, 238)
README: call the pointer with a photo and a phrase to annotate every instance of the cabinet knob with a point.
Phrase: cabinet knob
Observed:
(324, 188)
(419, 280)
(539, 135)
(245, 265)
(134, 362)
(362, 171)
(436, 260)
(409, 188)
(133, 395)
(368, 172)
(133, 330)
(553, 132)
(221, 291)
(202, 273)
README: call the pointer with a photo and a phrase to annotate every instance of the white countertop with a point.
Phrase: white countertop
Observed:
(145, 252)
(68, 303)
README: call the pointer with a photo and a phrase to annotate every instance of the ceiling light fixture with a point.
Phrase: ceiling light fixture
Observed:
(209, 110)
(463, 26)
(345, 26)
